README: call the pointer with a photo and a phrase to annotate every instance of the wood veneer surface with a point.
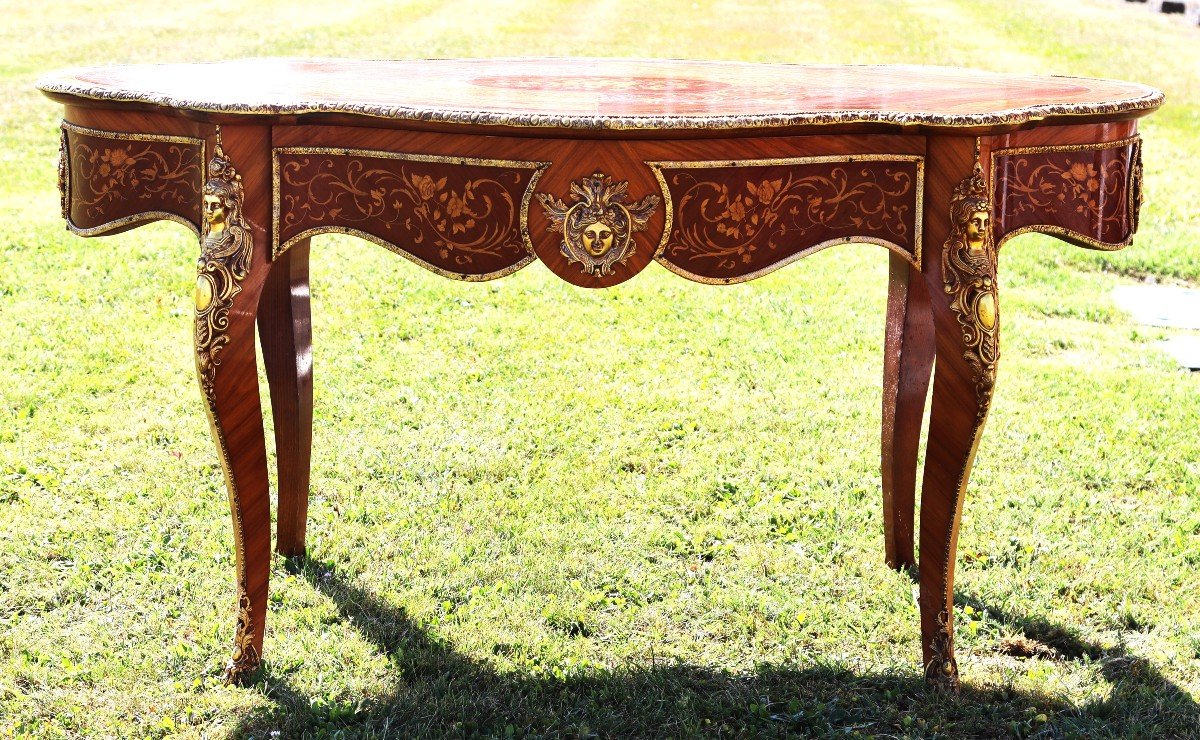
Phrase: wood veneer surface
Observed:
(608, 94)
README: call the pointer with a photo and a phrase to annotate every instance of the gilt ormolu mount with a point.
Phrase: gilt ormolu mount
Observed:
(719, 172)
(597, 228)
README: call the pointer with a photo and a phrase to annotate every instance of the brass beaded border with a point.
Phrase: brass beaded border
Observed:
(1150, 100)
(913, 258)
(278, 249)
(64, 174)
(1062, 232)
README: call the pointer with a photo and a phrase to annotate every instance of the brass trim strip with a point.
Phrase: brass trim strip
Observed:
(277, 249)
(784, 262)
(133, 136)
(912, 258)
(136, 218)
(1067, 147)
(1069, 234)
(245, 659)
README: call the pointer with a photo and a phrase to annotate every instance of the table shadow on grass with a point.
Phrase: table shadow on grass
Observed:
(440, 692)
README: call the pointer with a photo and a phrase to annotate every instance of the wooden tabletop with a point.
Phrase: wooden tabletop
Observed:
(608, 94)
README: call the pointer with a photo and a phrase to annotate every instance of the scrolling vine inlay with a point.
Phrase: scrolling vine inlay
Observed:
(731, 223)
(1089, 192)
(110, 179)
(458, 216)
(597, 227)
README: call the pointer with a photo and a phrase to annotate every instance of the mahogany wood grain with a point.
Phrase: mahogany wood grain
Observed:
(622, 128)
(1061, 135)
(955, 424)
(237, 417)
(285, 332)
(907, 362)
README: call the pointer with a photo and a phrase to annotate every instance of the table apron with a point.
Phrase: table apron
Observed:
(597, 212)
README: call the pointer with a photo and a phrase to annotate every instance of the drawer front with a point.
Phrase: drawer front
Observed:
(733, 221)
(1087, 194)
(111, 181)
(597, 212)
(458, 216)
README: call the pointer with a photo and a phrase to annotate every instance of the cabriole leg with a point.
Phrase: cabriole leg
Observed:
(230, 274)
(960, 272)
(907, 361)
(285, 331)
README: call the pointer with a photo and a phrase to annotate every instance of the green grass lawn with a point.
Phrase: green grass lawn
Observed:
(544, 511)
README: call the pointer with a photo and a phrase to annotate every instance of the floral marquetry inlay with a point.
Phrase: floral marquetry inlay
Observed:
(1090, 193)
(733, 221)
(458, 216)
(110, 179)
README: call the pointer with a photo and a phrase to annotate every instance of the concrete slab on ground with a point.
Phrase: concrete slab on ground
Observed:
(1185, 349)
(1161, 305)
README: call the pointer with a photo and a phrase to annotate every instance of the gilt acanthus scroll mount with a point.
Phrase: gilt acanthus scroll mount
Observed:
(597, 227)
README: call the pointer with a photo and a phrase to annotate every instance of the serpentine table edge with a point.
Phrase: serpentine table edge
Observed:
(597, 199)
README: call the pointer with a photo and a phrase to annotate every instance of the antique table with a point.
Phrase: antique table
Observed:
(719, 172)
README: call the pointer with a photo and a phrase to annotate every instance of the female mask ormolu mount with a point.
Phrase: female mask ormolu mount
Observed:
(598, 226)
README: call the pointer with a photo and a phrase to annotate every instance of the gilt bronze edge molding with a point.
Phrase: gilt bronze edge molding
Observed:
(943, 641)
(131, 135)
(1134, 192)
(245, 658)
(913, 258)
(1044, 148)
(64, 179)
(64, 174)
(120, 223)
(1014, 117)
(462, 277)
(1068, 235)
(890, 246)
(277, 248)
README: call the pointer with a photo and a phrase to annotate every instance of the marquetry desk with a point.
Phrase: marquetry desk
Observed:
(719, 172)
